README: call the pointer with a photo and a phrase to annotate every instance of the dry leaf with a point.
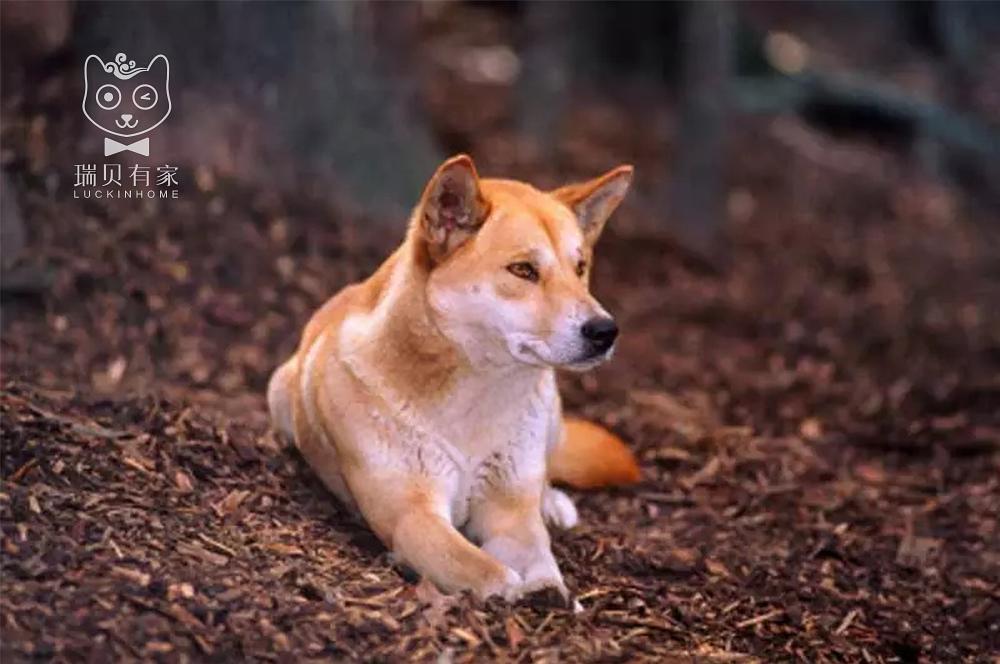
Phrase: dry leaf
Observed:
(917, 552)
(869, 472)
(180, 590)
(131, 575)
(229, 504)
(437, 602)
(715, 568)
(811, 429)
(183, 482)
(515, 635)
(707, 472)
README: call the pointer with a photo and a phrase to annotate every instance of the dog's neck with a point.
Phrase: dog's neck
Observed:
(416, 357)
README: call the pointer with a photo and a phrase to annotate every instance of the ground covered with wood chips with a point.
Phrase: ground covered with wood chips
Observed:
(816, 418)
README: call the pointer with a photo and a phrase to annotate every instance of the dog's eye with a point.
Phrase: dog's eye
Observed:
(581, 267)
(524, 270)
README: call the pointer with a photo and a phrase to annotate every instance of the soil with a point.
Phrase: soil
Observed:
(817, 417)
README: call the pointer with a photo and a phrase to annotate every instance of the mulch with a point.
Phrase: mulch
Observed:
(818, 423)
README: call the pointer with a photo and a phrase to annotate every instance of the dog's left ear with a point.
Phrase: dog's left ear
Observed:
(452, 208)
(593, 201)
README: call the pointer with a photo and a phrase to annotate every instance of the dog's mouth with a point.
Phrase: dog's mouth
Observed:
(590, 360)
(527, 352)
(124, 124)
(531, 353)
(583, 363)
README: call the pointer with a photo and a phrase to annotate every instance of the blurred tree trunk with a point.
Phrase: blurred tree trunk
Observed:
(546, 74)
(12, 234)
(351, 118)
(311, 72)
(949, 30)
(943, 29)
(706, 75)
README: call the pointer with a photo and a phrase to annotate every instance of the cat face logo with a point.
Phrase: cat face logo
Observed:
(126, 100)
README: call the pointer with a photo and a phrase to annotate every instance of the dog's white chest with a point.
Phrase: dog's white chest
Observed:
(491, 430)
(499, 440)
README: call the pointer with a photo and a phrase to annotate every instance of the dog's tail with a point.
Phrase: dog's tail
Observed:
(589, 456)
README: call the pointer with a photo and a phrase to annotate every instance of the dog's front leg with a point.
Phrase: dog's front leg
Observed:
(508, 522)
(411, 518)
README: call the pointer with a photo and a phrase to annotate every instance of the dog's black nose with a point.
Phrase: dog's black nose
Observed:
(600, 332)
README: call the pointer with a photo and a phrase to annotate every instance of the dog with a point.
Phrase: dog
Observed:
(425, 397)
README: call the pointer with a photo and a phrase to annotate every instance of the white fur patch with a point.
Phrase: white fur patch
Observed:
(558, 509)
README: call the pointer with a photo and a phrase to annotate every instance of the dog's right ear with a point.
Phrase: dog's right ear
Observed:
(452, 208)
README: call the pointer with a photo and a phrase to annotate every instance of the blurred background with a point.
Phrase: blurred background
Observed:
(821, 178)
(806, 273)
(363, 99)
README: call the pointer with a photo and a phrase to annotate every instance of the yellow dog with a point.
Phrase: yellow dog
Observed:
(426, 399)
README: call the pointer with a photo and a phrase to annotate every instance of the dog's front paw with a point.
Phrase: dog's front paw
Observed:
(541, 579)
(508, 586)
(546, 591)
(558, 509)
(543, 574)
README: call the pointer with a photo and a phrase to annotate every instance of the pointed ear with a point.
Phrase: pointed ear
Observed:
(593, 201)
(452, 208)
(160, 66)
(91, 66)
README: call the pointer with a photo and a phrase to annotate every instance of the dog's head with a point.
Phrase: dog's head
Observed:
(510, 265)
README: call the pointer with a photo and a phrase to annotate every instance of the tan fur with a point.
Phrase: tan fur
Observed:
(426, 416)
